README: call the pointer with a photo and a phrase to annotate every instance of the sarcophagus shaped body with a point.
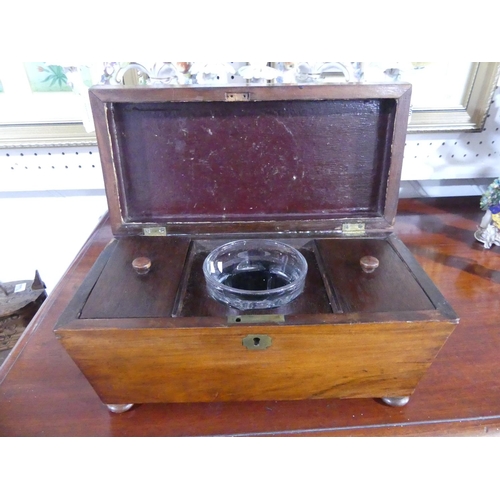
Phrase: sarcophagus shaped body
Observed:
(314, 167)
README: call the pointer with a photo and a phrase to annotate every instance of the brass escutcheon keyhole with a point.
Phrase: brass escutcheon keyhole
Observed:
(257, 341)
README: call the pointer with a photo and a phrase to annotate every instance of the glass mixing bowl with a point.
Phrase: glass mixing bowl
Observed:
(255, 274)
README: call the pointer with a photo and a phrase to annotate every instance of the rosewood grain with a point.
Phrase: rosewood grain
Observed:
(142, 338)
(389, 288)
(121, 293)
(204, 365)
(304, 165)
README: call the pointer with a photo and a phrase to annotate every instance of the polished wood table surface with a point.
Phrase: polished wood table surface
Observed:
(43, 393)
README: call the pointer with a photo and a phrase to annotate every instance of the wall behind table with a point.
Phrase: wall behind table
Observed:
(50, 201)
(428, 156)
(455, 155)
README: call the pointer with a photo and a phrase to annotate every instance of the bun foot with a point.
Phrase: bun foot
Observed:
(396, 401)
(119, 408)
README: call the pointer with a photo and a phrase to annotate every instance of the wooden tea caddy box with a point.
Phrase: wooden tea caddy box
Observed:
(314, 166)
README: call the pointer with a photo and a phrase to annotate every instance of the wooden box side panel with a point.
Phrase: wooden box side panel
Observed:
(322, 361)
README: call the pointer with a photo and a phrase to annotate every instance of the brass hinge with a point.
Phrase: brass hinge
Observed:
(154, 231)
(353, 228)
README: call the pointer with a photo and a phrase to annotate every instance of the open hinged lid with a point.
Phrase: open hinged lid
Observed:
(198, 160)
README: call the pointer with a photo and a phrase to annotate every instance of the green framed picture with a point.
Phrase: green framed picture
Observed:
(45, 77)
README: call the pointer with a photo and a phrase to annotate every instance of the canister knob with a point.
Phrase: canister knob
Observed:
(141, 265)
(369, 263)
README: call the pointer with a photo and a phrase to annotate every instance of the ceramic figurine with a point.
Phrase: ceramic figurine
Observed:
(286, 72)
(184, 75)
(258, 72)
(108, 71)
(212, 73)
(158, 73)
(488, 231)
(317, 71)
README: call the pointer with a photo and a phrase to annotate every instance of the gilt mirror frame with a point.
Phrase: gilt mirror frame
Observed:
(469, 117)
(31, 135)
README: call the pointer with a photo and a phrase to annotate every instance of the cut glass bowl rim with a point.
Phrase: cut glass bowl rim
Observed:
(212, 281)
